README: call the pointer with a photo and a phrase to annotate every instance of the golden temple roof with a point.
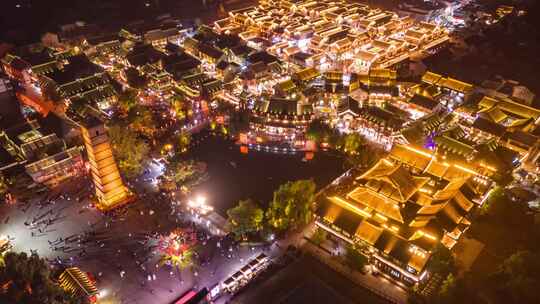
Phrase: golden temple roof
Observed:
(426, 161)
(376, 202)
(368, 232)
(509, 106)
(392, 180)
(431, 78)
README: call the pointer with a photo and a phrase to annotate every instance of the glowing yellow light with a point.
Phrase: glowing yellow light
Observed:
(466, 169)
(488, 167)
(350, 206)
(386, 161)
(418, 151)
(381, 216)
(428, 235)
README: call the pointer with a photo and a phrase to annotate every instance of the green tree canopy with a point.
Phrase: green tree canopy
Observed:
(441, 260)
(27, 279)
(355, 259)
(453, 290)
(142, 120)
(180, 108)
(518, 278)
(127, 100)
(352, 143)
(245, 218)
(319, 131)
(366, 158)
(130, 151)
(502, 209)
(4, 185)
(319, 236)
(180, 172)
(182, 142)
(135, 79)
(185, 172)
(292, 205)
(238, 121)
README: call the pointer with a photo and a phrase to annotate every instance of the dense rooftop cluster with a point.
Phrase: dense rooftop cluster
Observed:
(332, 35)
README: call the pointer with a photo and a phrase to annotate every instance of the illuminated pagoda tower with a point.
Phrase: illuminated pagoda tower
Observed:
(110, 189)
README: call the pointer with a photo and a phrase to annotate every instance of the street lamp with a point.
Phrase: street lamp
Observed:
(200, 206)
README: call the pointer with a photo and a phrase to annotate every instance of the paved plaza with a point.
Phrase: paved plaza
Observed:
(118, 249)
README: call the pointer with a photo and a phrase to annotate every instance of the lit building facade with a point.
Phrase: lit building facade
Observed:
(110, 189)
(332, 35)
(401, 208)
(45, 156)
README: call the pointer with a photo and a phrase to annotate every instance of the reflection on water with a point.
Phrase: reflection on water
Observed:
(235, 176)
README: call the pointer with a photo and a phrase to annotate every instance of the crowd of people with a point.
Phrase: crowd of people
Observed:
(120, 247)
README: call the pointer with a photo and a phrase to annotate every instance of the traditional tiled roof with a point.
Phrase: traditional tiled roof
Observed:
(283, 106)
(262, 56)
(425, 161)
(307, 74)
(213, 86)
(525, 139)
(210, 51)
(455, 132)
(414, 34)
(494, 113)
(489, 127)
(368, 232)
(46, 68)
(275, 67)
(381, 117)
(227, 41)
(349, 105)
(258, 67)
(109, 46)
(392, 180)
(454, 146)
(455, 85)
(431, 78)
(382, 73)
(366, 55)
(83, 84)
(241, 50)
(423, 101)
(286, 86)
(195, 79)
(144, 54)
(159, 34)
(178, 65)
(98, 94)
(15, 62)
(510, 106)
(414, 133)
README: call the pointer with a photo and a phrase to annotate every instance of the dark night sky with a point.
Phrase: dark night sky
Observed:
(27, 22)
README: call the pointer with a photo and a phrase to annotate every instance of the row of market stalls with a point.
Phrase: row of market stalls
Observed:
(77, 282)
(242, 277)
(5, 245)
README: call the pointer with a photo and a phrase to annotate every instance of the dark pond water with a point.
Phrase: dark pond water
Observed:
(235, 176)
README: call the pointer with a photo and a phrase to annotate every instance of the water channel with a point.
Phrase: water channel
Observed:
(235, 176)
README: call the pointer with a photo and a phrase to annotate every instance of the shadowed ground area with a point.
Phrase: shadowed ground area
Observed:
(306, 281)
